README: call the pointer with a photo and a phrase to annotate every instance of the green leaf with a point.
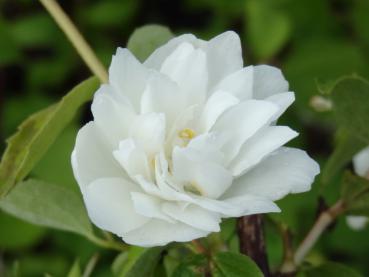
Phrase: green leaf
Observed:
(146, 39)
(347, 145)
(48, 205)
(331, 269)
(355, 193)
(229, 264)
(75, 270)
(191, 267)
(267, 28)
(138, 262)
(38, 132)
(350, 98)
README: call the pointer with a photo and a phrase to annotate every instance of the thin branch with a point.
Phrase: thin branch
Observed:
(288, 266)
(91, 265)
(324, 220)
(75, 37)
(252, 243)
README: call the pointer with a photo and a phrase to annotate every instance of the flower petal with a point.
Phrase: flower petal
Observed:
(268, 80)
(159, 232)
(260, 145)
(287, 170)
(361, 163)
(242, 121)
(109, 205)
(282, 100)
(128, 76)
(156, 59)
(224, 56)
(187, 67)
(91, 157)
(194, 216)
(239, 83)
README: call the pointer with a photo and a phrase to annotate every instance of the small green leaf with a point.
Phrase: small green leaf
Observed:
(138, 262)
(38, 132)
(75, 270)
(48, 205)
(191, 267)
(347, 145)
(331, 269)
(268, 28)
(350, 99)
(229, 264)
(355, 193)
(146, 39)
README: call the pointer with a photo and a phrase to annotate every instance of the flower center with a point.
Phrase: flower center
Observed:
(187, 134)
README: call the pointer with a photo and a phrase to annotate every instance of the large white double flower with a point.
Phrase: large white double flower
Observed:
(185, 139)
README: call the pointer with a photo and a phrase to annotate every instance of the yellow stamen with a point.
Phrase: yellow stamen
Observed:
(187, 134)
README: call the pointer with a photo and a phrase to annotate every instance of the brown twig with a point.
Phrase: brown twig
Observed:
(252, 243)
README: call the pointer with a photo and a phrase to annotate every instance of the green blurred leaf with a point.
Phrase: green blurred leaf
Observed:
(229, 264)
(355, 193)
(267, 28)
(75, 270)
(48, 205)
(9, 51)
(38, 132)
(193, 266)
(350, 98)
(146, 39)
(137, 262)
(347, 145)
(331, 269)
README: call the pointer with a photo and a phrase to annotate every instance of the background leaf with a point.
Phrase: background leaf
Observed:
(38, 132)
(48, 205)
(355, 192)
(229, 264)
(146, 39)
(331, 269)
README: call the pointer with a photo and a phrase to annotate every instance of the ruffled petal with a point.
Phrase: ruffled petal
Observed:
(268, 81)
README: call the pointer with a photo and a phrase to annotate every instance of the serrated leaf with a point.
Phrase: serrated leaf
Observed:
(347, 145)
(146, 39)
(350, 98)
(331, 269)
(35, 135)
(137, 262)
(48, 205)
(229, 264)
(355, 193)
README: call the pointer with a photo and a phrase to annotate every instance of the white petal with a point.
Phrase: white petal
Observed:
(133, 159)
(187, 67)
(156, 59)
(128, 76)
(112, 115)
(282, 100)
(109, 205)
(148, 131)
(224, 56)
(149, 206)
(92, 158)
(242, 121)
(356, 223)
(218, 103)
(158, 232)
(194, 216)
(239, 83)
(163, 95)
(287, 170)
(268, 80)
(261, 144)
(195, 171)
(361, 163)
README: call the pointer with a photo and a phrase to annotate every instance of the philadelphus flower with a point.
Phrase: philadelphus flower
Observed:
(361, 167)
(185, 139)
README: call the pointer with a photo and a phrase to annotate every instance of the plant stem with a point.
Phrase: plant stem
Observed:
(108, 244)
(251, 235)
(91, 265)
(288, 267)
(75, 37)
(324, 220)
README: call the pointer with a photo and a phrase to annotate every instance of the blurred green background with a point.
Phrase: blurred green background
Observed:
(313, 41)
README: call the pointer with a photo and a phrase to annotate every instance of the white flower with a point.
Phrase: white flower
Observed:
(361, 167)
(185, 139)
